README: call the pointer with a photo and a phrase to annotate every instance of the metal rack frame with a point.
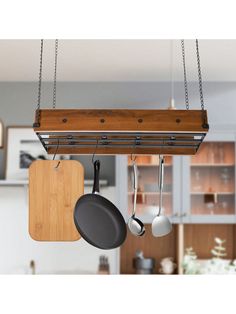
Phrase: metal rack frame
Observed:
(167, 132)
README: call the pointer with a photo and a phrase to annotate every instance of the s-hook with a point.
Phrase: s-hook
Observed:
(55, 155)
(94, 152)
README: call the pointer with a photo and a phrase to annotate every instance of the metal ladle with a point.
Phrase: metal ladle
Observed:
(135, 225)
(161, 225)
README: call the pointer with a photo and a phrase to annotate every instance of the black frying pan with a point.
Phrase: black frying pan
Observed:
(99, 221)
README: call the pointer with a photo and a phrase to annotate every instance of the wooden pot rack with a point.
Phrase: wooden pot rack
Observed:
(82, 131)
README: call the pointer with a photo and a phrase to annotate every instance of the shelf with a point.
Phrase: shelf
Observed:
(203, 245)
(26, 182)
(90, 183)
(212, 165)
(149, 165)
(157, 248)
(13, 182)
(121, 131)
(151, 193)
(192, 165)
(219, 193)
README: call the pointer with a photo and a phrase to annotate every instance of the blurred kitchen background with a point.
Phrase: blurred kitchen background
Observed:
(199, 191)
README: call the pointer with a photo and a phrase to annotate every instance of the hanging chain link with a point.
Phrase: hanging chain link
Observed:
(185, 76)
(39, 85)
(199, 76)
(55, 75)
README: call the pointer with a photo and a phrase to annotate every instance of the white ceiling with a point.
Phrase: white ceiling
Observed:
(117, 60)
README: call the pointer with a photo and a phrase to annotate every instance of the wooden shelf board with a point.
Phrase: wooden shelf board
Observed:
(13, 182)
(26, 182)
(203, 244)
(212, 165)
(151, 193)
(78, 131)
(157, 248)
(219, 193)
(149, 165)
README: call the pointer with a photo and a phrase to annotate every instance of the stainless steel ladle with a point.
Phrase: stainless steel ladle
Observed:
(135, 225)
(161, 224)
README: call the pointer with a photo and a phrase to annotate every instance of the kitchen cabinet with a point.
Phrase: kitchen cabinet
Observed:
(156, 248)
(199, 199)
(148, 189)
(208, 182)
(201, 237)
(197, 189)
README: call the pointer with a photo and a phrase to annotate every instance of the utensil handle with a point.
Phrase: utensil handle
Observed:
(161, 176)
(161, 172)
(96, 165)
(135, 187)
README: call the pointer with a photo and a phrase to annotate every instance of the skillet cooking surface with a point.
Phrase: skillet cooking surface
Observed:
(99, 221)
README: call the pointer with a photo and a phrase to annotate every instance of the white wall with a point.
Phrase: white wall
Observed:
(17, 248)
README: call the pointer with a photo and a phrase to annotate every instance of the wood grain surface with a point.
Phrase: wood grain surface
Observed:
(75, 124)
(53, 192)
(121, 120)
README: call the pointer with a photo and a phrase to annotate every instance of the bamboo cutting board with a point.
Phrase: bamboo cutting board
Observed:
(53, 191)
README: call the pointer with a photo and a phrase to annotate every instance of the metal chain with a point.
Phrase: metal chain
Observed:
(185, 76)
(39, 84)
(199, 76)
(55, 75)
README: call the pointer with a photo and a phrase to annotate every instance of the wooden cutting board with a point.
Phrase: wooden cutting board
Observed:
(53, 191)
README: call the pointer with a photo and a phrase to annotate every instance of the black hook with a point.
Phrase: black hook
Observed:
(94, 152)
(55, 155)
(56, 150)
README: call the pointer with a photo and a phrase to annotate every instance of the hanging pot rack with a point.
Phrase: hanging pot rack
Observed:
(79, 131)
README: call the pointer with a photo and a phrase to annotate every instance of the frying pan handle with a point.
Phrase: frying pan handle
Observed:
(96, 165)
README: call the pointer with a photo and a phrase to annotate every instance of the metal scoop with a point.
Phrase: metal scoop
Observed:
(161, 225)
(135, 225)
